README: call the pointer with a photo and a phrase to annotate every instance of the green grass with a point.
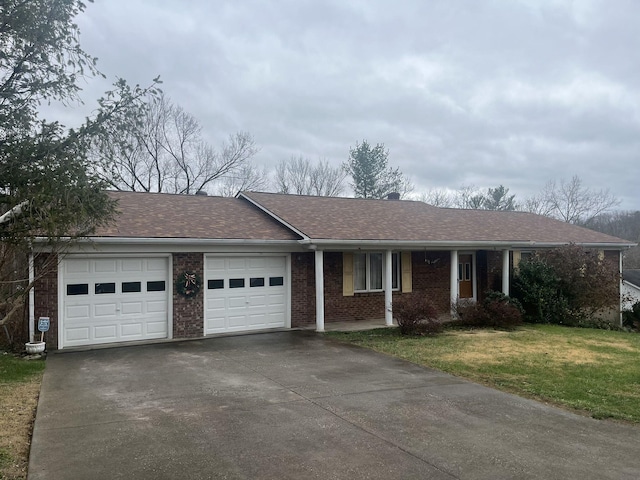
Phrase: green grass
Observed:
(592, 371)
(19, 386)
(15, 369)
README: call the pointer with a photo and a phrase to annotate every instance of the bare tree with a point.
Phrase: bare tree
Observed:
(166, 153)
(437, 197)
(622, 224)
(299, 176)
(246, 178)
(571, 202)
(468, 196)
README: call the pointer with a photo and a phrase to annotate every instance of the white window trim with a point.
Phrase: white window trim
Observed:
(368, 273)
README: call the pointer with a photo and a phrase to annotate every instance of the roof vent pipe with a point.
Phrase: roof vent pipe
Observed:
(201, 192)
(393, 196)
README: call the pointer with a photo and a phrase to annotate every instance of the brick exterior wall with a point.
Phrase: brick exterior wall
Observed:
(46, 297)
(303, 293)
(188, 313)
(430, 271)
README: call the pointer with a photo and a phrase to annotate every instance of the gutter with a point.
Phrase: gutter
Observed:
(449, 244)
(13, 212)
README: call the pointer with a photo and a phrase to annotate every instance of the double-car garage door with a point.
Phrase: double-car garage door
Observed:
(119, 299)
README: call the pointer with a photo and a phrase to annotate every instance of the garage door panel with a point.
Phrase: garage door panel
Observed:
(105, 266)
(157, 328)
(237, 321)
(131, 308)
(157, 306)
(257, 300)
(257, 318)
(105, 310)
(237, 302)
(77, 266)
(257, 263)
(105, 332)
(116, 306)
(237, 264)
(132, 265)
(157, 265)
(77, 334)
(77, 311)
(131, 330)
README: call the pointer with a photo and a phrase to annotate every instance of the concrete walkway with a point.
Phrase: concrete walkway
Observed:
(295, 405)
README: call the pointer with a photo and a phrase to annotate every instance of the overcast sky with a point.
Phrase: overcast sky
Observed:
(461, 92)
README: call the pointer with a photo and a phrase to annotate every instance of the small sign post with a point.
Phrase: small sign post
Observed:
(43, 326)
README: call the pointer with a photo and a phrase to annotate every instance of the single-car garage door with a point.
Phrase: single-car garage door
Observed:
(110, 299)
(245, 293)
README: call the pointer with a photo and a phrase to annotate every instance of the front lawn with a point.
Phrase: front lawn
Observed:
(19, 388)
(592, 371)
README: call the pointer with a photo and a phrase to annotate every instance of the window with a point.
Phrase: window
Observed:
(464, 272)
(105, 288)
(256, 282)
(368, 272)
(215, 284)
(157, 286)
(78, 289)
(131, 287)
(236, 283)
(276, 281)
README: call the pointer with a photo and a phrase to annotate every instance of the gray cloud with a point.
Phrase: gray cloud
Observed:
(461, 92)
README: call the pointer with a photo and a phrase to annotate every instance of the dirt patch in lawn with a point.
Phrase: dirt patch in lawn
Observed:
(17, 410)
(499, 347)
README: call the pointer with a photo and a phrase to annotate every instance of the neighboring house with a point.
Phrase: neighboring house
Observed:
(630, 288)
(280, 261)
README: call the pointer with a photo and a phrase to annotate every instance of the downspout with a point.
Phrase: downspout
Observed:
(620, 286)
(32, 298)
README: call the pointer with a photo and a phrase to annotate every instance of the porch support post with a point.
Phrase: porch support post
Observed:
(620, 285)
(319, 290)
(32, 298)
(505, 272)
(388, 288)
(453, 279)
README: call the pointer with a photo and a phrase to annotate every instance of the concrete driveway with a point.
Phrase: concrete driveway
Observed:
(295, 405)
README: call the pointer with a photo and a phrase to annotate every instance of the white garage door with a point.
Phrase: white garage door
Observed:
(244, 293)
(109, 300)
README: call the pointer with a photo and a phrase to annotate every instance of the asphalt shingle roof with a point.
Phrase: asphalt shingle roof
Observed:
(332, 218)
(161, 215)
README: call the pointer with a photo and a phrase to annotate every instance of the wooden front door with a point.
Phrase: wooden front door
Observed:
(465, 276)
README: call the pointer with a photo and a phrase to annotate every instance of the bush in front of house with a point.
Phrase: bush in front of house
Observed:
(416, 316)
(568, 285)
(497, 310)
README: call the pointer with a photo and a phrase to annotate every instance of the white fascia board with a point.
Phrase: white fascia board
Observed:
(448, 245)
(175, 245)
(177, 241)
(274, 216)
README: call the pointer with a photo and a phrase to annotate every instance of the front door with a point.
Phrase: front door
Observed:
(465, 276)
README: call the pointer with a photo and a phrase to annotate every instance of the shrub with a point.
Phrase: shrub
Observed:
(416, 316)
(497, 311)
(567, 285)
